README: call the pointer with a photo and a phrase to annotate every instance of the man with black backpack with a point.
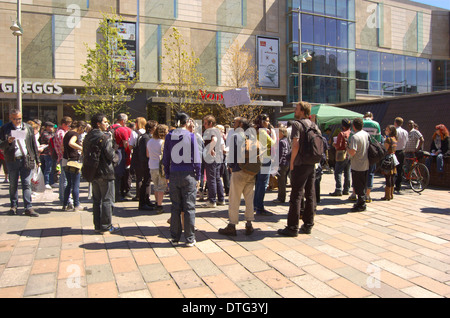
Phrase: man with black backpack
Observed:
(98, 144)
(307, 150)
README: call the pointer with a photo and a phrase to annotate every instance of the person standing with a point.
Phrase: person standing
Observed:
(21, 156)
(413, 145)
(182, 162)
(402, 139)
(103, 183)
(142, 168)
(155, 147)
(342, 164)
(121, 135)
(390, 143)
(373, 128)
(213, 159)
(241, 182)
(59, 150)
(358, 151)
(302, 177)
(267, 139)
(46, 157)
(284, 160)
(72, 150)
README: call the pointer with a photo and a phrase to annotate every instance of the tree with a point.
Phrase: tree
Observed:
(183, 81)
(108, 73)
(240, 71)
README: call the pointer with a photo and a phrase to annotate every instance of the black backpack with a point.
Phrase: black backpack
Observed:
(91, 159)
(376, 151)
(312, 149)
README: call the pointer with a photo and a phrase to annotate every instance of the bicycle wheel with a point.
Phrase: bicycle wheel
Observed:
(420, 177)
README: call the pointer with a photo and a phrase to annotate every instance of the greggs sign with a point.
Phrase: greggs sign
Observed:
(32, 88)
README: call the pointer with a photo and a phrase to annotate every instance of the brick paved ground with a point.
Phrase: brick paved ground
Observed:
(395, 249)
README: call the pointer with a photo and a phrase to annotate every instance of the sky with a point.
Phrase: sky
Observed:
(437, 3)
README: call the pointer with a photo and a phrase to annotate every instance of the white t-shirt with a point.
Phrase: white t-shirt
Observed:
(154, 152)
(134, 136)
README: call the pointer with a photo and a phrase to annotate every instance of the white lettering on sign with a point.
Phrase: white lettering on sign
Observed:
(33, 88)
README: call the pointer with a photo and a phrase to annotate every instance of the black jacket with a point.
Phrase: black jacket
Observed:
(9, 149)
(108, 156)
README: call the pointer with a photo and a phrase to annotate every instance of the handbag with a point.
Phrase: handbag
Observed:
(28, 161)
(388, 163)
(73, 166)
(341, 155)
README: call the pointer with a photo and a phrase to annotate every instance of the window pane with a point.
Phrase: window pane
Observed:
(293, 89)
(399, 72)
(293, 51)
(448, 74)
(374, 66)
(342, 34)
(351, 9)
(438, 75)
(411, 67)
(330, 7)
(422, 72)
(307, 28)
(293, 27)
(319, 30)
(342, 63)
(387, 68)
(341, 9)
(331, 65)
(307, 5)
(330, 32)
(308, 67)
(293, 4)
(362, 64)
(319, 6)
(319, 60)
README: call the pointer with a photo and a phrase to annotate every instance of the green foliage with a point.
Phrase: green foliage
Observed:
(107, 84)
(183, 81)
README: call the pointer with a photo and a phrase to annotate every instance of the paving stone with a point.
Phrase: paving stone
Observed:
(40, 284)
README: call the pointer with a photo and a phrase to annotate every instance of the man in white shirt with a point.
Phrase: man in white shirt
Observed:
(402, 139)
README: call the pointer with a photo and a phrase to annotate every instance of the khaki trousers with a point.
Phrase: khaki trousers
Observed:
(241, 183)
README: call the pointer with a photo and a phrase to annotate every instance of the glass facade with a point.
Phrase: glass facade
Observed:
(388, 74)
(325, 28)
(338, 71)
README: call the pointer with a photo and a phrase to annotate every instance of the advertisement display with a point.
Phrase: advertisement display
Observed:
(268, 50)
(127, 62)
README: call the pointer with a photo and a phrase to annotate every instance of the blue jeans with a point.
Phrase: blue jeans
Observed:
(370, 176)
(183, 193)
(73, 186)
(261, 183)
(16, 169)
(103, 203)
(48, 169)
(439, 162)
(214, 182)
(339, 168)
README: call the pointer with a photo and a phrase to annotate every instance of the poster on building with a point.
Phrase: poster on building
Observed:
(127, 61)
(268, 62)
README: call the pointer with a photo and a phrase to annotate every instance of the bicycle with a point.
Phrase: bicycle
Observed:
(418, 174)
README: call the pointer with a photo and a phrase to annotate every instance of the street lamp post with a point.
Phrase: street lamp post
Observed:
(17, 32)
(300, 59)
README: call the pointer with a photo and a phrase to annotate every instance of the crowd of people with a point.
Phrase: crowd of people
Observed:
(199, 164)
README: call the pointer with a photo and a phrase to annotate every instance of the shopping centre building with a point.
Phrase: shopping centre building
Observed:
(360, 49)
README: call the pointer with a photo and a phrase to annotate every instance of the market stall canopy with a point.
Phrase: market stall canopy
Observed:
(327, 115)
